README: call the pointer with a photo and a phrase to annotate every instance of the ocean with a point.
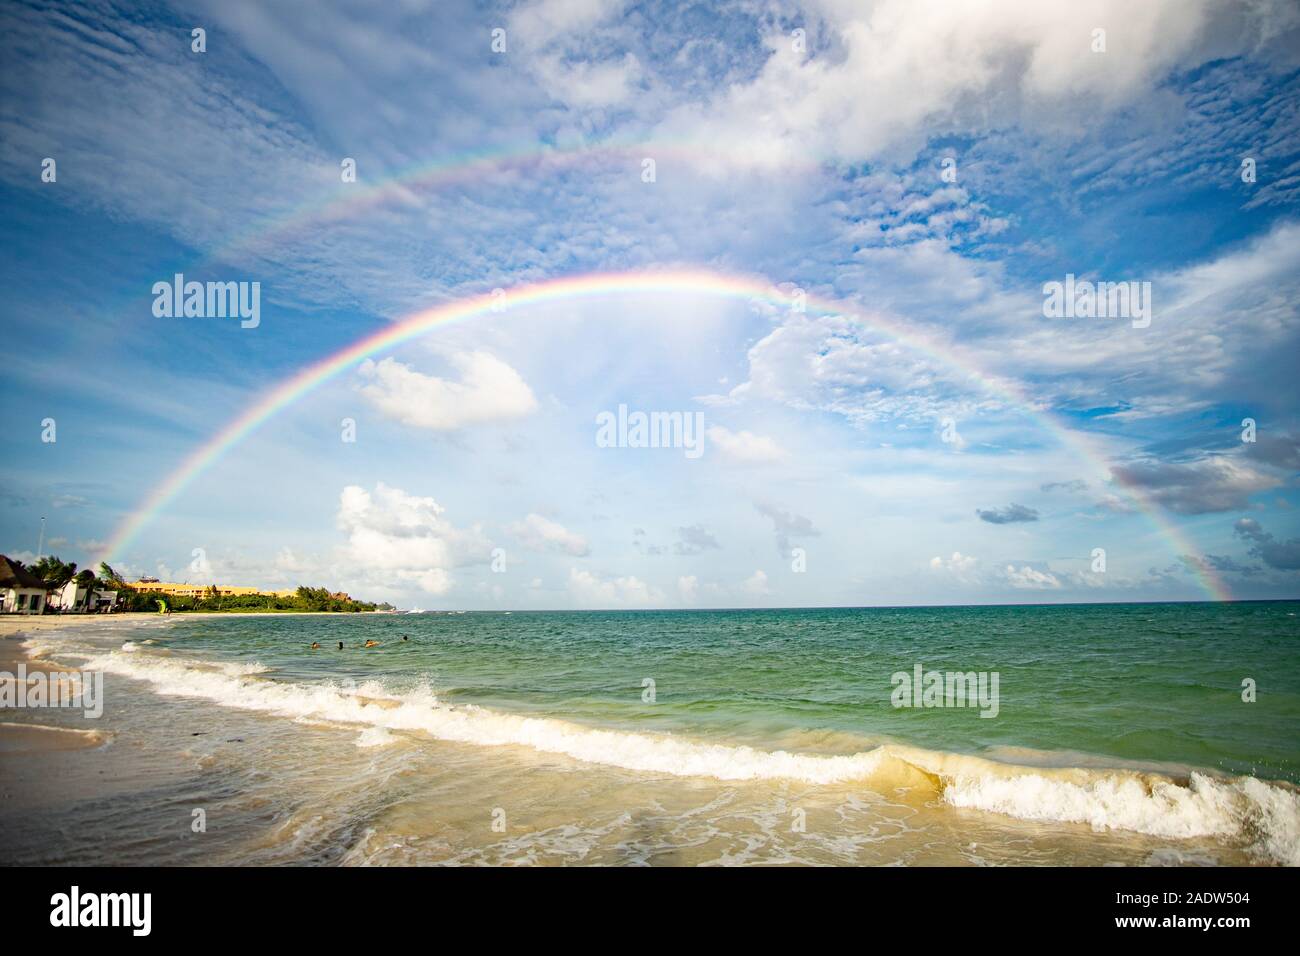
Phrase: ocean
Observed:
(1098, 734)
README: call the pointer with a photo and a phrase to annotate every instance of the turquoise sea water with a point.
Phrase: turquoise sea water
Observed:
(1151, 683)
(1120, 737)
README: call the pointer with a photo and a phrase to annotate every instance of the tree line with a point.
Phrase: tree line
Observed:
(57, 573)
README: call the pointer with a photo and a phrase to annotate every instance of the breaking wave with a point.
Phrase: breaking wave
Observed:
(1264, 816)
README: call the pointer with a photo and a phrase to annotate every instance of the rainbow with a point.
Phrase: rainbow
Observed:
(345, 199)
(666, 281)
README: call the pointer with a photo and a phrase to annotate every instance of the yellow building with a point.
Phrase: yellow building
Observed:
(203, 590)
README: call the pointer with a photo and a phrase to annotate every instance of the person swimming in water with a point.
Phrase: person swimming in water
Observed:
(315, 645)
(405, 638)
(372, 643)
(340, 645)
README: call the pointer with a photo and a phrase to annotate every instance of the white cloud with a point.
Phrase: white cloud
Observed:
(1016, 61)
(1215, 331)
(591, 591)
(744, 446)
(557, 39)
(962, 568)
(542, 534)
(688, 588)
(544, 21)
(399, 539)
(756, 584)
(289, 563)
(958, 562)
(837, 364)
(489, 390)
(1029, 579)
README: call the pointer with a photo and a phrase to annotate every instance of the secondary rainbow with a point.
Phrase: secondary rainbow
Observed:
(666, 281)
(345, 199)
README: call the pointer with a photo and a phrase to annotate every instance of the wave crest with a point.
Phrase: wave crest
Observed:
(1265, 816)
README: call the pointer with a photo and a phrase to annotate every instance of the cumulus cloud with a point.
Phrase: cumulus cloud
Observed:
(786, 525)
(692, 590)
(1011, 514)
(838, 364)
(542, 534)
(394, 538)
(1074, 487)
(1116, 505)
(1027, 578)
(1208, 485)
(1028, 62)
(488, 390)
(756, 584)
(1216, 562)
(693, 539)
(559, 40)
(1280, 451)
(1282, 555)
(744, 446)
(963, 568)
(589, 590)
(958, 562)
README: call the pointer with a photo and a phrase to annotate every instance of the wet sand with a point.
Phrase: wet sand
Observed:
(23, 737)
(329, 782)
(27, 738)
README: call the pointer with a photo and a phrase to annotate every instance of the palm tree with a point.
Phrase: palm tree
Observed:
(109, 576)
(53, 572)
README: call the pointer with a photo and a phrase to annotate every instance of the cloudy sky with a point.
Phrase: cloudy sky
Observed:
(921, 432)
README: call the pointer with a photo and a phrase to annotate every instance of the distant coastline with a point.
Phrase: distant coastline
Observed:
(52, 585)
(305, 600)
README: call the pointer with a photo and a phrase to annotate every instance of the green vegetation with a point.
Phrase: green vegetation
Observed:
(307, 599)
(56, 574)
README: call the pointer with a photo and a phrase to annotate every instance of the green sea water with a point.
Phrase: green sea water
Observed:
(1152, 684)
(1121, 736)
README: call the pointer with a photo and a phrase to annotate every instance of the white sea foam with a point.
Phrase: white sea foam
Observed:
(375, 737)
(1144, 803)
(420, 710)
(1246, 810)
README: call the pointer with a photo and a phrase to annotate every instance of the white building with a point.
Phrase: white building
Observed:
(75, 596)
(24, 592)
(72, 596)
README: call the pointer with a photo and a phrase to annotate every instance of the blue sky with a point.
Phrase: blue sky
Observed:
(810, 161)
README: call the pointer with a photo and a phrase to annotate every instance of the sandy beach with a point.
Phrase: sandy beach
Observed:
(476, 739)
(26, 738)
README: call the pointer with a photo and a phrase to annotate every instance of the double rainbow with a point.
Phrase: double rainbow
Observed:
(674, 281)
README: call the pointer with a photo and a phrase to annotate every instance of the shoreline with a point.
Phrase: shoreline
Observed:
(1141, 808)
(17, 623)
(21, 738)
